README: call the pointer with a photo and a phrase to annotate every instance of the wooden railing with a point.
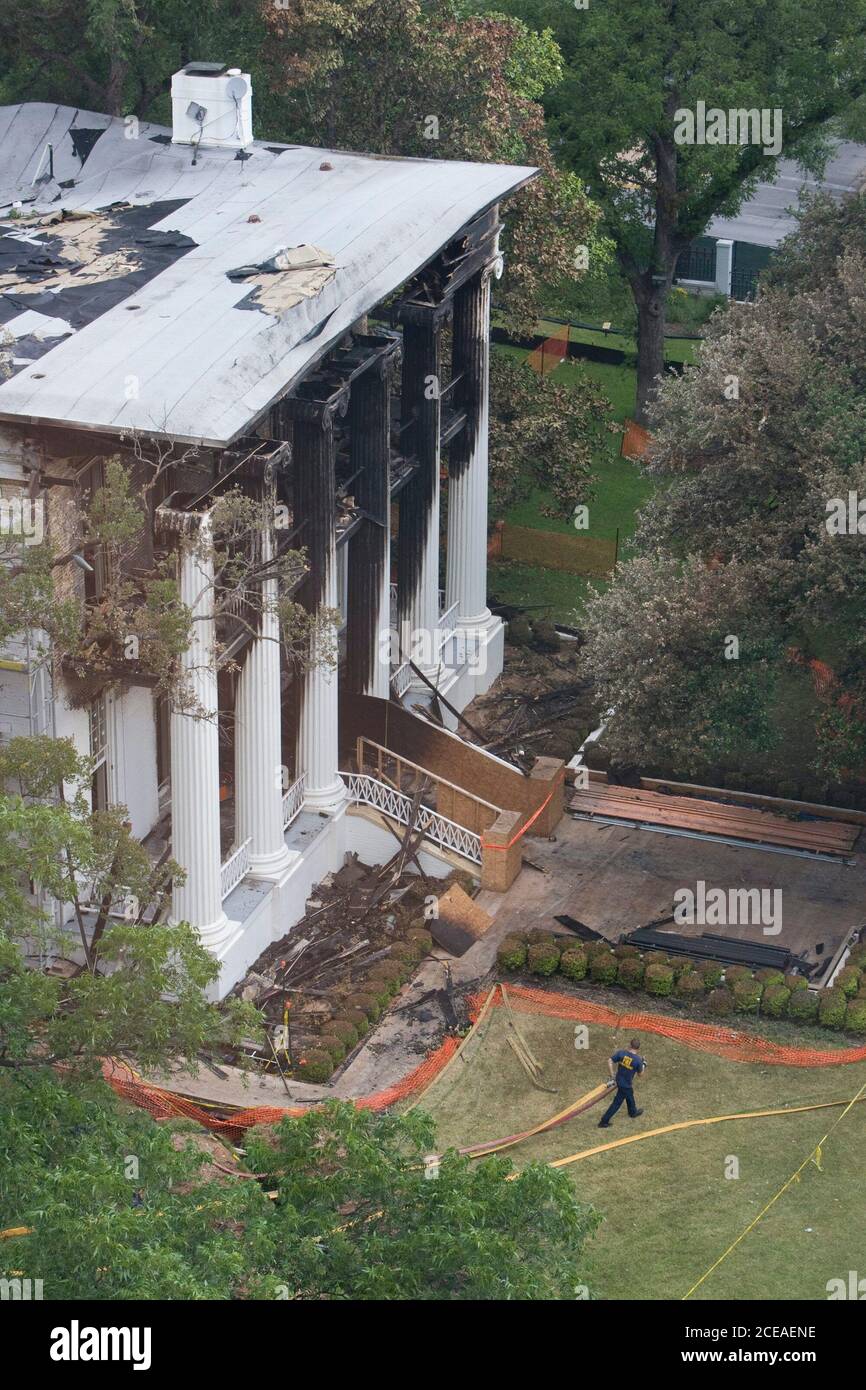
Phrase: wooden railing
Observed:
(405, 776)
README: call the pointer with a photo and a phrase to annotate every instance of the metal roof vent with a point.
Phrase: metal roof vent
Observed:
(212, 105)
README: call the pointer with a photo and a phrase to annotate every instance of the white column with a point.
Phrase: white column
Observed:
(318, 741)
(466, 569)
(418, 540)
(195, 804)
(258, 742)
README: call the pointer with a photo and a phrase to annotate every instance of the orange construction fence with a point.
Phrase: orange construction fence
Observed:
(705, 1037)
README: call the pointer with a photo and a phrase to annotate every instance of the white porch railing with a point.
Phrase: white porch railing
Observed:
(447, 623)
(235, 868)
(369, 791)
(293, 800)
(401, 679)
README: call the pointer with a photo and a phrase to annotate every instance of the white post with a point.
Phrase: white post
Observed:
(724, 267)
(195, 804)
(258, 742)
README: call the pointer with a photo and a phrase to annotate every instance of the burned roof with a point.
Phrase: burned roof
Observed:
(155, 288)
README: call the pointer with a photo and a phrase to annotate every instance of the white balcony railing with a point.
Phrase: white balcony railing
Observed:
(447, 623)
(401, 679)
(369, 791)
(293, 801)
(235, 868)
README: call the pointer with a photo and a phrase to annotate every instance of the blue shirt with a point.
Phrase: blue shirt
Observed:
(629, 1065)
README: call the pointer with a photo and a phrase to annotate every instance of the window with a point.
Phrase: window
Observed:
(99, 752)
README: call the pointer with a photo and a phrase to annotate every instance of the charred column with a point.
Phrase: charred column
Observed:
(314, 507)
(466, 582)
(368, 618)
(418, 541)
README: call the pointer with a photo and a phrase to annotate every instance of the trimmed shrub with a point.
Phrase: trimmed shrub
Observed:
(803, 1005)
(382, 988)
(775, 1000)
(603, 969)
(736, 972)
(625, 952)
(657, 958)
(690, 986)
(423, 939)
(358, 1020)
(544, 938)
(659, 980)
(832, 1004)
(341, 1028)
(747, 995)
(630, 973)
(721, 1003)
(315, 1066)
(597, 948)
(336, 1049)
(796, 982)
(770, 977)
(711, 972)
(683, 965)
(511, 954)
(573, 963)
(406, 951)
(855, 1016)
(543, 958)
(367, 1003)
(848, 980)
(857, 955)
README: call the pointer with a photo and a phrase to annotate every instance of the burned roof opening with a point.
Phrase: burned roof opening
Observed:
(83, 140)
(59, 273)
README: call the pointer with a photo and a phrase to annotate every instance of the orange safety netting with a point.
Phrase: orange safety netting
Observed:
(705, 1037)
(232, 1121)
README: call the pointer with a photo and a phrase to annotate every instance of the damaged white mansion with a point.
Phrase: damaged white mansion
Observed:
(268, 318)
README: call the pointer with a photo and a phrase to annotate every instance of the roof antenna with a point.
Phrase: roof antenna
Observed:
(44, 174)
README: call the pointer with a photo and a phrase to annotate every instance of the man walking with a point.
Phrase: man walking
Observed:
(624, 1066)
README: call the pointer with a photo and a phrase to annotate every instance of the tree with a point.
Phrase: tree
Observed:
(542, 435)
(395, 77)
(399, 77)
(116, 55)
(617, 118)
(759, 450)
(133, 624)
(358, 1216)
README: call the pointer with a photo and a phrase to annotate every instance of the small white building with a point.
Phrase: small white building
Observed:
(215, 303)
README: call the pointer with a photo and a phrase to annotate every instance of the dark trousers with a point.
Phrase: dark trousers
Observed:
(623, 1093)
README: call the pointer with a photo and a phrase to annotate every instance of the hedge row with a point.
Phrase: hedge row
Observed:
(359, 1011)
(725, 989)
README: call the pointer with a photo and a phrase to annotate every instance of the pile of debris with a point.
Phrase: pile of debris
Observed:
(540, 706)
(322, 986)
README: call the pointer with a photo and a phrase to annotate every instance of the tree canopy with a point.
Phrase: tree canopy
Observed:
(759, 447)
(631, 68)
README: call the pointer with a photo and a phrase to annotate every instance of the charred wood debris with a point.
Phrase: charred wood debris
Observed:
(324, 985)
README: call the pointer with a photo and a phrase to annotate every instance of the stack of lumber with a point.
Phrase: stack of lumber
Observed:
(714, 818)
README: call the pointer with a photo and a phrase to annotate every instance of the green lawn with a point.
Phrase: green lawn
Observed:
(676, 349)
(668, 1209)
(620, 489)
